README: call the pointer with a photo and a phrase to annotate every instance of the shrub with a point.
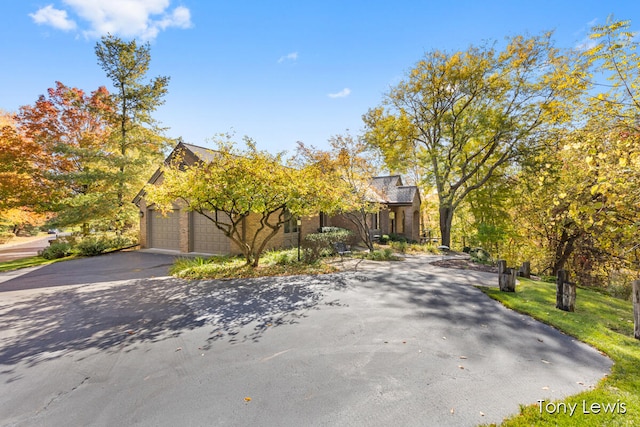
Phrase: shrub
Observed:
(316, 245)
(480, 255)
(384, 239)
(400, 246)
(397, 238)
(120, 242)
(280, 257)
(56, 250)
(383, 255)
(92, 246)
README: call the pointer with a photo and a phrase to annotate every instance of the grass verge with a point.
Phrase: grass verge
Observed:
(273, 263)
(605, 323)
(28, 262)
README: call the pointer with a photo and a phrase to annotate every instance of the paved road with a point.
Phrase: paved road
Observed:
(386, 344)
(10, 252)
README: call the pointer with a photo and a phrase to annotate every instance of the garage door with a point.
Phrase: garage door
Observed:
(164, 231)
(206, 237)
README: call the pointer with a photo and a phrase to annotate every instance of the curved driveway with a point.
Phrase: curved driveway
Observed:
(387, 344)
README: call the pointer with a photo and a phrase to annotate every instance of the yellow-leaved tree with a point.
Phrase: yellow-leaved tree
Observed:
(249, 194)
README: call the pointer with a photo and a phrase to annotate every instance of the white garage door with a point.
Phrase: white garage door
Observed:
(164, 231)
(206, 237)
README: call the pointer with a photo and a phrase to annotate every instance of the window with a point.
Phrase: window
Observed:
(291, 223)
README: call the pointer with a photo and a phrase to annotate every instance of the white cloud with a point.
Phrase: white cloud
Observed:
(128, 18)
(342, 94)
(585, 44)
(56, 18)
(289, 57)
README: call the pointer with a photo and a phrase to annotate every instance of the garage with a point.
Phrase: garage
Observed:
(206, 237)
(164, 231)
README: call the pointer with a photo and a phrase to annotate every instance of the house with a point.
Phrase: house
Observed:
(190, 232)
(400, 213)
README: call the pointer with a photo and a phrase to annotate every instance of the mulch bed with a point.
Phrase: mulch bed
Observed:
(465, 264)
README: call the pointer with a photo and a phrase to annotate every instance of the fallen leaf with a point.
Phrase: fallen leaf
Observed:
(444, 338)
(130, 332)
(463, 357)
(481, 414)
(580, 382)
(460, 366)
(452, 410)
(247, 399)
(404, 342)
(545, 388)
(540, 340)
(545, 361)
(179, 349)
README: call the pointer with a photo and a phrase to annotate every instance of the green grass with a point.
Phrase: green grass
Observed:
(272, 263)
(28, 262)
(600, 320)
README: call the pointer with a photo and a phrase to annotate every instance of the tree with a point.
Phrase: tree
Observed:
(464, 116)
(248, 194)
(70, 129)
(135, 139)
(349, 167)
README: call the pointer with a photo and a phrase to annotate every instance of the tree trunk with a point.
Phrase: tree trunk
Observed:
(560, 279)
(563, 251)
(446, 218)
(636, 308)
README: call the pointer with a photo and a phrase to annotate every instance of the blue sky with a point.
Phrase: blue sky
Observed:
(277, 71)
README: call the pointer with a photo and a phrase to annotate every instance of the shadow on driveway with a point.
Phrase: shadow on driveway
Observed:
(110, 316)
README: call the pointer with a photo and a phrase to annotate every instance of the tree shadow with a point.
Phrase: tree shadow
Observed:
(454, 305)
(111, 317)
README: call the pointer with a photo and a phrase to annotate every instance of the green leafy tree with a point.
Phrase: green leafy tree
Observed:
(135, 139)
(464, 116)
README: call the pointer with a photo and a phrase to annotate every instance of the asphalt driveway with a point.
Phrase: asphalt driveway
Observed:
(387, 344)
(106, 268)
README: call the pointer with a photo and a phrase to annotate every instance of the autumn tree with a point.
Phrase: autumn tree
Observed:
(239, 188)
(463, 116)
(22, 162)
(349, 167)
(70, 129)
(135, 138)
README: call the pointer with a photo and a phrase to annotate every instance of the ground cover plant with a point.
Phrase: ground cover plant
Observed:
(602, 321)
(273, 263)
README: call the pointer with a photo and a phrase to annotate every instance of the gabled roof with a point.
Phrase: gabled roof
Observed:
(394, 192)
(191, 154)
(384, 189)
(204, 154)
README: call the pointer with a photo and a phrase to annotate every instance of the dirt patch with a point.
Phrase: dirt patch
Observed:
(465, 264)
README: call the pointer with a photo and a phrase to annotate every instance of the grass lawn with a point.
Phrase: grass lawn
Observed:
(603, 322)
(27, 262)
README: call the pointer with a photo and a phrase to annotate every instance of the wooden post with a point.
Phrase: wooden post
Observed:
(506, 277)
(636, 308)
(525, 270)
(565, 292)
(569, 297)
(560, 288)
